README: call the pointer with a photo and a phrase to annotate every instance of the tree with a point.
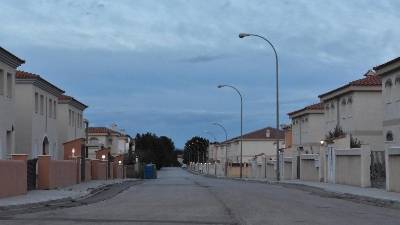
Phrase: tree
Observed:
(196, 150)
(153, 149)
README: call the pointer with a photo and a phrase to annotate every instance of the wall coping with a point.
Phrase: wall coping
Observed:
(393, 151)
(348, 152)
(309, 156)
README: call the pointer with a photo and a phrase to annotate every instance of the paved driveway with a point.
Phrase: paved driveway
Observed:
(179, 197)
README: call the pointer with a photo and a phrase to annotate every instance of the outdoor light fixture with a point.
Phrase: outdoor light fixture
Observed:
(73, 152)
(103, 157)
(322, 142)
(119, 162)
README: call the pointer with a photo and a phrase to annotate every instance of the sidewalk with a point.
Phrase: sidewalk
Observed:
(339, 189)
(72, 192)
(375, 193)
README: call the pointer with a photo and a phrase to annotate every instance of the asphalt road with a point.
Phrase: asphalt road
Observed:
(179, 197)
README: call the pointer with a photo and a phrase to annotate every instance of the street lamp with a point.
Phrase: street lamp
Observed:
(103, 157)
(73, 152)
(241, 125)
(243, 35)
(226, 146)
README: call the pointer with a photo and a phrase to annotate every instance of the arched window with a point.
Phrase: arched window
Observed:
(388, 90)
(397, 81)
(94, 141)
(389, 136)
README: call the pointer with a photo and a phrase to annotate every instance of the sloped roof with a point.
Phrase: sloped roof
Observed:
(367, 81)
(261, 134)
(23, 75)
(69, 99)
(387, 63)
(9, 58)
(102, 130)
(316, 106)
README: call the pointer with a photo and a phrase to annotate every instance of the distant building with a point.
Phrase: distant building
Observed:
(256, 143)
(36, 115)
(307, 129)
(104, 138)
(70, 121)
(8, 65)
(357, 108)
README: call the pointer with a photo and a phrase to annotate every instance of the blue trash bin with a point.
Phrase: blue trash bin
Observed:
(150, 171)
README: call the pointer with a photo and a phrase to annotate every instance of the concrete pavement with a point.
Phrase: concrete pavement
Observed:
(179, 197)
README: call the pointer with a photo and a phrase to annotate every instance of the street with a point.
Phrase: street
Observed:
(179, 197)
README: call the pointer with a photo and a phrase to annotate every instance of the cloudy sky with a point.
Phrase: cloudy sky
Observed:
(154, 65)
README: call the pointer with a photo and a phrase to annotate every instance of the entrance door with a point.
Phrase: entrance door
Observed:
(45, 146)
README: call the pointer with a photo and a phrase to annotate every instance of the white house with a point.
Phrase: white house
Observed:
(390, 74)
(36, 115)
(109, 138)
(8, 65)
(307, 128)
(356, 107)
(256, 143)
(70, 121)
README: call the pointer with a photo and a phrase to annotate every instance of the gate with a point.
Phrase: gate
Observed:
(377, 169)
(31, 174)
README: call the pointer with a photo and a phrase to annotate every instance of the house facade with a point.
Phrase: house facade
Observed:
(307, 129)
(70, 121)
(390, 74)
(357, 109)
(8, 65)
(107, 138)
(36, 115)
(256, 143)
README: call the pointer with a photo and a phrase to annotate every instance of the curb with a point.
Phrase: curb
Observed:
(55, 202)
(362, 199)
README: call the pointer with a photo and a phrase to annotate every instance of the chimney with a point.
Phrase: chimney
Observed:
(268, 133)
(114, 127)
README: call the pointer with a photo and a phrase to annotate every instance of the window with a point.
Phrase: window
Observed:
(55, 109)
(36, 102)
(389, 136)
(69, 117)
(50, 107)
(388, 83)
(388, 90)
(344, 101)
(397, 81)
(9, 85)
(93, 141)
(41, 104)
(332, 105)
(349, 100)
(73, 119)
(1, 82)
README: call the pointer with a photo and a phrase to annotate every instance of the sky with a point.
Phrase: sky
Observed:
(154, 66)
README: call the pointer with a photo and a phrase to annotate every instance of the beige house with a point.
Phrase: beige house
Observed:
(36, 115)
(307, 128)
(390, 74)
(356, 107)
(104, 137)
(256, 143)
(8, 65)
(70, 121)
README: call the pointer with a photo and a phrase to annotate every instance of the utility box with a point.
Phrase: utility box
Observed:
(150, 171)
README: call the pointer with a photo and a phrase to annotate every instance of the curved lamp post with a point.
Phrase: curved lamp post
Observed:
(243, 35)
(226, 147)
(241, 125)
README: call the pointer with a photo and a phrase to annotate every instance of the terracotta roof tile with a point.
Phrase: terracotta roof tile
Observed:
(262, 134)
(316, 106)
(367, 81)
(26, 75)
(101, 130)
(22, 75)
(65, 98)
